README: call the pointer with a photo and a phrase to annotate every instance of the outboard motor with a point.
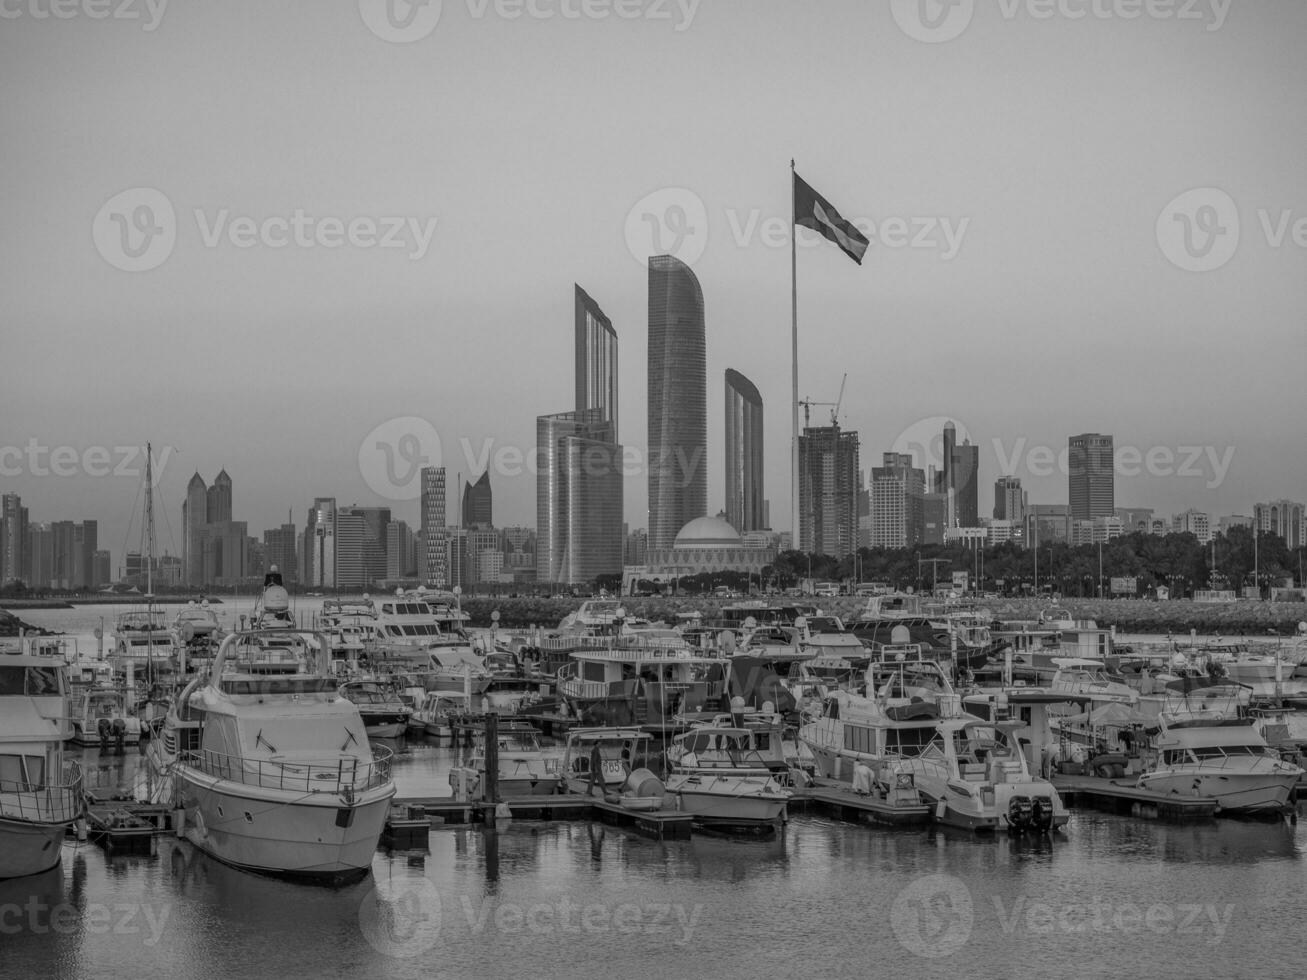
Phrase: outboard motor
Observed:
(104, 728)
(1041, 815)
(1019, 813)
(119, 735)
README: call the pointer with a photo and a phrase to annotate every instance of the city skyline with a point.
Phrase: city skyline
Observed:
(1045, 301)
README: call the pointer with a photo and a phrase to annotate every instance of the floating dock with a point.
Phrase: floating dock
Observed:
(842, 802)
(1119, 796)
(655, 824)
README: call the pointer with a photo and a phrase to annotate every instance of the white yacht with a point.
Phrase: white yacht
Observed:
(639, 680)
(525, 766)
(100, 715)
(1227, 759)
(407, 636)
(143, 644)
(730, 776)
(40, 794)
(270, 766)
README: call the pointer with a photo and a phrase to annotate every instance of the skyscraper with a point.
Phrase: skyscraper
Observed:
(219, 499)
(828, 491)
(898, 492)
(478, 510)
(744, 509)
(319, 569)
(361, 546)
(1009, 499)
(279, 550)
(195, 515)
(596, 360)
(578, 498)
(1090, 486)
(579, 486)
(678, 401)
(432, 567)
(964, 471)
(13, 539)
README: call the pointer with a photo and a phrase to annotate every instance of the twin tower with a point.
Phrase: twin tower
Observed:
(579, 486)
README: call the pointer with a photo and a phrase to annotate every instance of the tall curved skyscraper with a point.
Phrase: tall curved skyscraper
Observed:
(678, 401)
(744, 507)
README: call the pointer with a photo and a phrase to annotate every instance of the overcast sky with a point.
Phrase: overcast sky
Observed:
(1029, 277)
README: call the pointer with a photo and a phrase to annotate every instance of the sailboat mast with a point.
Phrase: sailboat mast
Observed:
(149, 562)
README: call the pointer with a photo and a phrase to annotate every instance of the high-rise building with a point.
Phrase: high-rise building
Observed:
(579, 485)
(351, 561)
(432, 567)
(456, 557)
(897, 515)
(319, 567)
(934, 517)
(372, 553)
(678, 407)
(195, 515)
(219, 499)
(226, 557)
(478, 510)
(1009, 500)
(596, 360)
(13, 539)
(964, 471)
(85, 543)
(1090, 477)
(828, 491)
(637, 547)
(1283, 518)
(101, 569)
(744, 500)
(40, 556)
(1191, 522)
(401, 558)
(279, 550)
(578, 498)
(1048, 523)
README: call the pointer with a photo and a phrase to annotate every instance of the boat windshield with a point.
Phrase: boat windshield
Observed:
(29, 681)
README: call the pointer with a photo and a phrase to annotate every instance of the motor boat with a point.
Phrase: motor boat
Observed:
(1225, 759)
(384, 714)
(729, 776)
(40, 793)
(267, 766)
(524, 766)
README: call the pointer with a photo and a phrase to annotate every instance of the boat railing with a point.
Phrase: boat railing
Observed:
(346, 773)
(60, 802)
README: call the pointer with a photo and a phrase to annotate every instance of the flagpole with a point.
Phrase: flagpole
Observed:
(794, 369)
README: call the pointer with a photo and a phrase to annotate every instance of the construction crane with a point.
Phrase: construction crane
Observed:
(807, 404)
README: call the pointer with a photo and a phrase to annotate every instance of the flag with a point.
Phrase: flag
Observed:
(811, 210)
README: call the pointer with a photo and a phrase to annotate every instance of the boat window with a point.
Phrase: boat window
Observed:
(11, 680)
(42, 681)
(21, 773)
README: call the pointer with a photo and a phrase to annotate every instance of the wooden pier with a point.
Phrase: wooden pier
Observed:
(1121, 797)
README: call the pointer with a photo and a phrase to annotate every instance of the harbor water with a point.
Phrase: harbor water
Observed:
(1111, 896)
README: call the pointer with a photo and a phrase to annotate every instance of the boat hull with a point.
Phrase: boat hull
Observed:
(318, 838)
(728, 801)
(28, 848)
(1233, 792)
(385, 729)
